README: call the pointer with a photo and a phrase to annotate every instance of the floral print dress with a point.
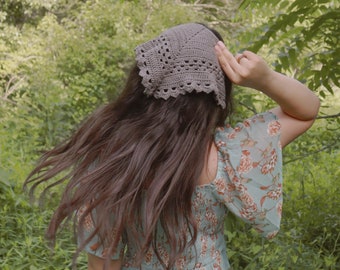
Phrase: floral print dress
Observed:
(248, 183)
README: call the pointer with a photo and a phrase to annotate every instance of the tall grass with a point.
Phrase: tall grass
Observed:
(309, 236)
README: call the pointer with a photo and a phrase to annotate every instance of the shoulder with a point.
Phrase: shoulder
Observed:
(264, 124)
(258, 131)
(248, 146)
(249, 176)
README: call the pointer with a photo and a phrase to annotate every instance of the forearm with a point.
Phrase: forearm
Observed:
(294, 98)
(298, 106)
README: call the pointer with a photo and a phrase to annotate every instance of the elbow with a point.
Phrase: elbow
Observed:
(315, 107)
(314, 110)
(309, 113)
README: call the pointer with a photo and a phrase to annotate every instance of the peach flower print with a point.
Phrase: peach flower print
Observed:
(279, 209)
(246, 163)
(204, 244)
(272, 234)
(148, 257)
(221, 186)
(163, 253)
(230, 171)
(249, 142)
(88, 222)
(241, 189)
(199, 200)
(220, 144)
(247, 213)
(275, 194)
(236, 180)
(232, 135)
(269, 166)
(218, 260)
(198, 266)
(247, 200)
(273, 128)
(246, 123)
(181, 262)
(211, 218)
(231, 187)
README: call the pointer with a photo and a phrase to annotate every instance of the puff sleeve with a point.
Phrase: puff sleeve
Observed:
(249, 179)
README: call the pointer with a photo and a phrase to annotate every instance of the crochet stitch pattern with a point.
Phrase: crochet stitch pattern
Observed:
(179, 61)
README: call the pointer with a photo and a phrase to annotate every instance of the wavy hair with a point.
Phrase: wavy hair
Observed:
(134, 151)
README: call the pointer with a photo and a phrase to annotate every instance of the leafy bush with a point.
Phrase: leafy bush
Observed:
(63, 60)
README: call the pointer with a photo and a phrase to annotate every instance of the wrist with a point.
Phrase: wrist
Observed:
(269, 82)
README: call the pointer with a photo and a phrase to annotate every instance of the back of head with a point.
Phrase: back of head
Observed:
(180, 61)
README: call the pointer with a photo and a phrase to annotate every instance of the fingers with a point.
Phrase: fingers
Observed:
(250, 55)
(239, 57)
(227, 57)
(225, 52)
(222, 58)
(231, 65)
(245, 69)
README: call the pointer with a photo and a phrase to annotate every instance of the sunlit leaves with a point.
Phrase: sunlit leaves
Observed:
(69, 56)
(305, 34)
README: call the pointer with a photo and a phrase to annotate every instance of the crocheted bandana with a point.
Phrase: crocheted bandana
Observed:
(181, 60)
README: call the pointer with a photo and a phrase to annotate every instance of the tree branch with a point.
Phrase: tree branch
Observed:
(253, 110)
(328, 116)
(10, 89)
(148, 16)
(7, 100)
(312, 153)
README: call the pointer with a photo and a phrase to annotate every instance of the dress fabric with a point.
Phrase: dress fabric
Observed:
(248, 183)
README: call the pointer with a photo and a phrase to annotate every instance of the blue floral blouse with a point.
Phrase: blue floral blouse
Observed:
(248, 183)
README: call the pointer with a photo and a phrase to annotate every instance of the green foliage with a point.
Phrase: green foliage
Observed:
(21, 12)
(305, 36)
(56, 73)
(299, 38)
(60, 59)
(22, 227)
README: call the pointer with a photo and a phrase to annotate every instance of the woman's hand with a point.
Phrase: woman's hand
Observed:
(298, 106)
(246, 69)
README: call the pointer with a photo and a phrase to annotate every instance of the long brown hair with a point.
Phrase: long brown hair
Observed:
(135, 151)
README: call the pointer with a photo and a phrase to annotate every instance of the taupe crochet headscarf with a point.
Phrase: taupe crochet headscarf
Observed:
(179, 61)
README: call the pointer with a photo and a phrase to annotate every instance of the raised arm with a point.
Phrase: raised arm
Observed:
(298, 106)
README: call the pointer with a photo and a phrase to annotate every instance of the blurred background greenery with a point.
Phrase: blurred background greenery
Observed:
(60, 59)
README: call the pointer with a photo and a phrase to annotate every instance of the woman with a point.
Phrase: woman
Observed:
(152, 175)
